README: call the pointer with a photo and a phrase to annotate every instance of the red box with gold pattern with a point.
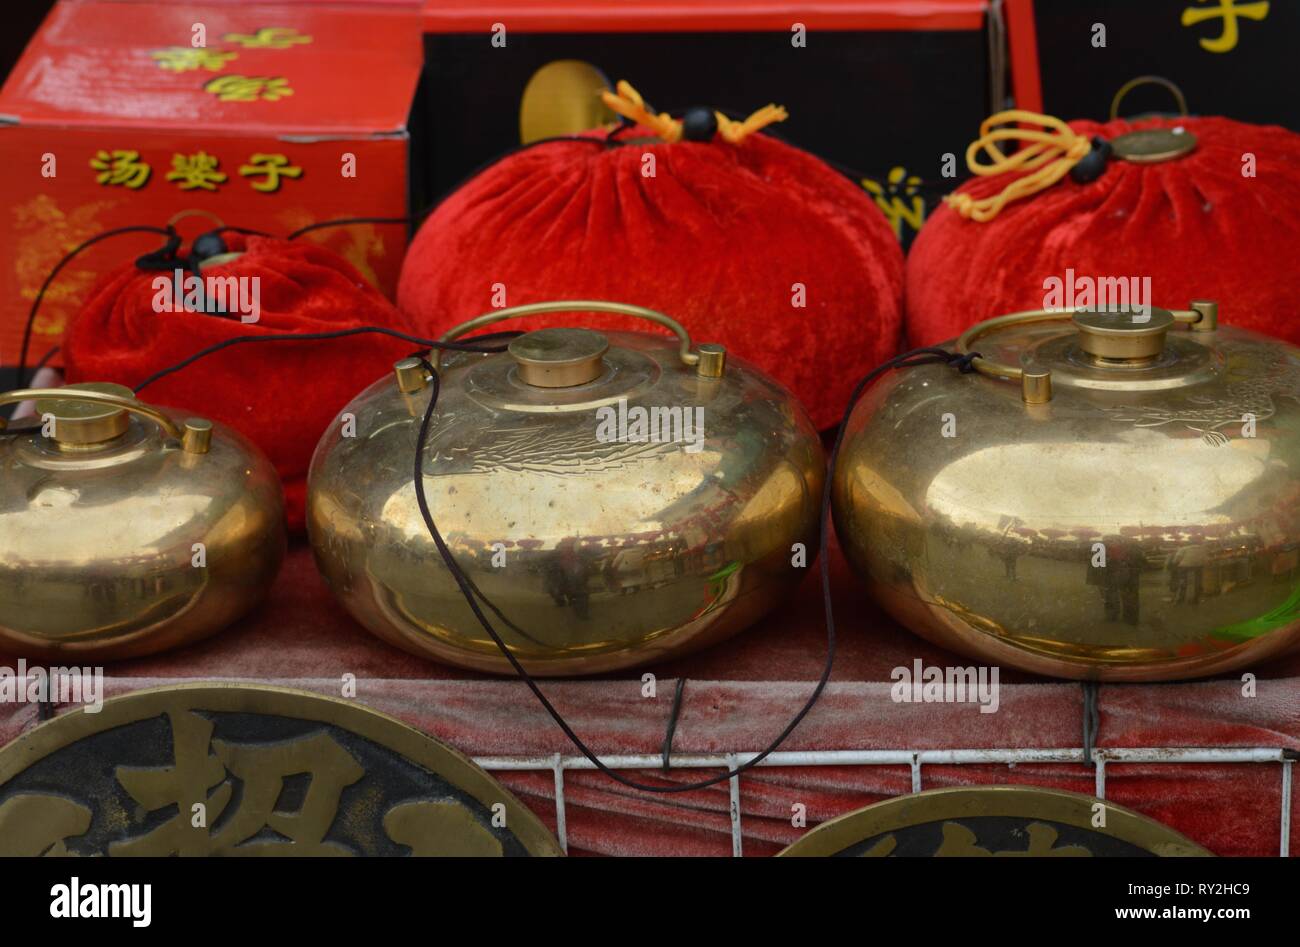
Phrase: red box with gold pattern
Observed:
(270, 117)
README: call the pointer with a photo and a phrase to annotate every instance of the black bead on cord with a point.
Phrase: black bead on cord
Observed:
(1092, 165)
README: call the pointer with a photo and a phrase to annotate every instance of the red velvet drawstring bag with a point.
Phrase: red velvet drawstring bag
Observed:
(282, 395)
(748, 241)
(1192, 222)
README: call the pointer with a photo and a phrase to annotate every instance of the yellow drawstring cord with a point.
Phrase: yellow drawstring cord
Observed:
(1050, 155)
(735, 132)
(628, 103)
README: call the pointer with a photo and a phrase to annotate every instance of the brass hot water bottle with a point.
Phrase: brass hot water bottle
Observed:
(127, 529)
(617, 498)
(1110, 495)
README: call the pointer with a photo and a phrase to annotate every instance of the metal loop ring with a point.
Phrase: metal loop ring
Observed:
(194, 436)
(1132, 84)
(688, 356)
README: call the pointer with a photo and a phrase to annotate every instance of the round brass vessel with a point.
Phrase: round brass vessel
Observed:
(1110, 495)
(125, 531)
(619, 498)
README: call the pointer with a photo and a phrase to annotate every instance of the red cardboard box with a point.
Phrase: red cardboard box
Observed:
(264, 116)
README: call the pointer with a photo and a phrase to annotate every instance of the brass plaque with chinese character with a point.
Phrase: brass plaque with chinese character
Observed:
(245, 770)
(994, 820)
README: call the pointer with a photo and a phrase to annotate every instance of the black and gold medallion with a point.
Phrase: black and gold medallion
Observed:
(236, 769)
(994, 820)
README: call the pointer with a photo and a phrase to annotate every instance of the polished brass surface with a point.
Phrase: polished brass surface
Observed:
(220, 259)
(1153, 145)
(153, 538)
(559, 358)
(1036, 379)
(713, 360)
(1207, 315)
(563, 98)
(1007, 821)
(125, 780)
(1143, 524)
(410, 375)
(197, 438)
(600, 553)
(1123, 335)
(79, 422)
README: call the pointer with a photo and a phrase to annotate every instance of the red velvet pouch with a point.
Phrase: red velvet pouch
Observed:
(1197, 225)
(756, 245)
(282, 395)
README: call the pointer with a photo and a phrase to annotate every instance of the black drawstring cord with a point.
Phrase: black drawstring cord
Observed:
(673, 716)
(470, 591)
(472, 595)
(347, 221)
(169, 254)
(169, 232)
(425, 344)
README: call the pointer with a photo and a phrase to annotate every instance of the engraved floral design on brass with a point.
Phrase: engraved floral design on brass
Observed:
(1253, 394)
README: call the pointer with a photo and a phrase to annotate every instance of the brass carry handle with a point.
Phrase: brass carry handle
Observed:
(1132, 84)
(1036, 385)
(195, 437)
(709, 360)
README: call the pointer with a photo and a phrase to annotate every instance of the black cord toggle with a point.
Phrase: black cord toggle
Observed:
(1092, 165)
(964, 363)
(166, 258)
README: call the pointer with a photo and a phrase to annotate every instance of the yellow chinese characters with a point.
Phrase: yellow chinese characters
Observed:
(269, 37)
(898, 197)
(120, 169)
(190, 172)
(249, 88)
(1228, 11)
(196, 171)
(187, 59)
(271, 168)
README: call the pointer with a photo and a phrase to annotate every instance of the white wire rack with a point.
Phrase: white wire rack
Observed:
(915, 759)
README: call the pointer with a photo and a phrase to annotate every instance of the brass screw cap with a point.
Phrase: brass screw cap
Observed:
(81, 423)
(559, 358)
(1154, 145)
(1123, 334)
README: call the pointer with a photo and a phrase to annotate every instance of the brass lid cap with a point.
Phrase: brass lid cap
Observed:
(1153, 145)
(559, 358)
(1123, 334)
(81, 423)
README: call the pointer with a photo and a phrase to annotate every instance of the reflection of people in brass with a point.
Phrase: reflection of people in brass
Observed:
(566, 577)
(1284, 563)
(1187, 566)
(1007, 550)
(1118, 578)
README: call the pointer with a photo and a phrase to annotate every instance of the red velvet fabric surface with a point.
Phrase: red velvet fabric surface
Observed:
(717, 239)
(282, 395)
(1195, 225)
